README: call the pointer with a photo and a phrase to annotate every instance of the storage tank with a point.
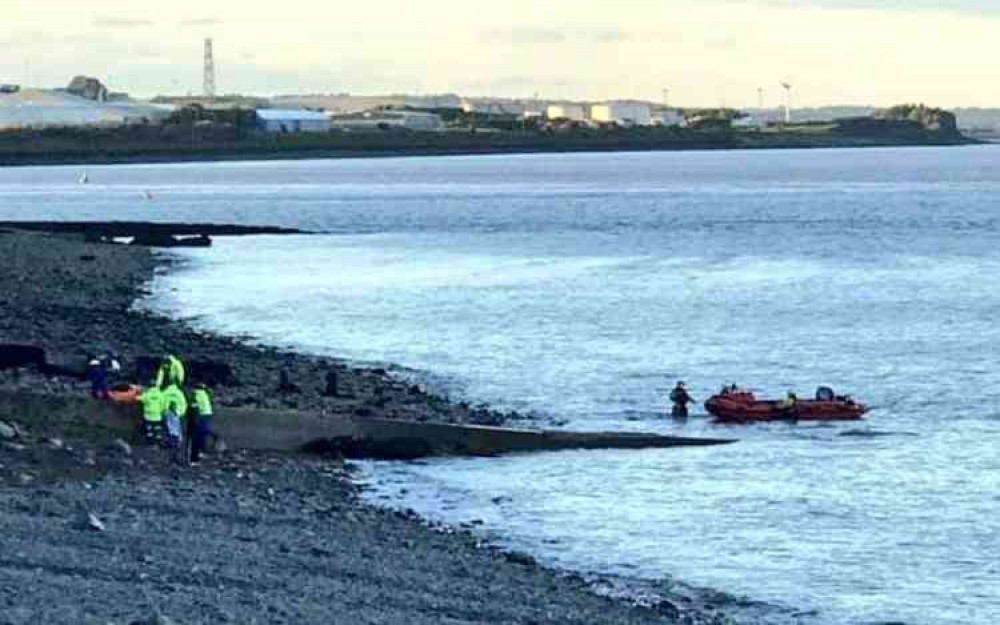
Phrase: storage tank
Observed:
(573, 112)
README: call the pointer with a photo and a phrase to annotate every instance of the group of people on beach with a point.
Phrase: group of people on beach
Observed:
(174, 415)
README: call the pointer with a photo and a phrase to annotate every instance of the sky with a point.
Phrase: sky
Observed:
(704, 52)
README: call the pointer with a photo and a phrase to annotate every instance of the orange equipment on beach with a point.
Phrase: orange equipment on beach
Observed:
(125, 394)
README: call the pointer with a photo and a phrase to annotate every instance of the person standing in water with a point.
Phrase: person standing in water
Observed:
(680, 398)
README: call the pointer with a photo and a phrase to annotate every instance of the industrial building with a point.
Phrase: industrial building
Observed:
(622, 113)
(384, 119)
(572, 112)
(667, 118)
(37, 108)
(748, 122)
(292, 120)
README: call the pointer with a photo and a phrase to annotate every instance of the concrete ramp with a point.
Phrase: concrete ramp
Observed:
(402, 439)
(354, 437)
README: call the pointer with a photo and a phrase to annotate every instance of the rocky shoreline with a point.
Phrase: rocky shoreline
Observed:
(74, 298)
(99, 530)
(27, 148)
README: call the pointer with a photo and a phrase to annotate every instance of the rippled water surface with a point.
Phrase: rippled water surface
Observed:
(581, 286)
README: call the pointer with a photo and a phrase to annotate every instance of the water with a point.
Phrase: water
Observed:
(582, 286)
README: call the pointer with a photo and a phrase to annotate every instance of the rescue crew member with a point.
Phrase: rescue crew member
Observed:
(788, 403)
(154, 405)
(680, 398)
(171, 371)
(202, 420)
(97, 374)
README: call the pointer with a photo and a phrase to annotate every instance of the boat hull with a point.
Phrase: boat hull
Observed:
(746, 409)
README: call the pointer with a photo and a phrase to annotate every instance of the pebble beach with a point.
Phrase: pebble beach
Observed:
(102, 530)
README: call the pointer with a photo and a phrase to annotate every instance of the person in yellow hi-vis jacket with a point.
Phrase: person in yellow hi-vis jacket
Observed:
(154, 405)
(203, 421)
(171, 371)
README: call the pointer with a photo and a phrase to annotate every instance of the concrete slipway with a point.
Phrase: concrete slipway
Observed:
(355, 437)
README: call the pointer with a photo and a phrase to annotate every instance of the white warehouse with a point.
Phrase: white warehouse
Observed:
(624, 113)
(384, 119)
(292, 120)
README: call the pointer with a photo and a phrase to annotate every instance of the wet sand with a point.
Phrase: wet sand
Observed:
(101, 531)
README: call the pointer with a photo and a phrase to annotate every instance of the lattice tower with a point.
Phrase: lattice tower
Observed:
(209, 87)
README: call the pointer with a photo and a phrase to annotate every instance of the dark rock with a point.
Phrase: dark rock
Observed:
(285, 384)
(163, 239)
(359, 449)
(212, 373)
(145, 367)
(332, 382)
(14, 356)
(89, 88)
(523, 559)
(155, 619)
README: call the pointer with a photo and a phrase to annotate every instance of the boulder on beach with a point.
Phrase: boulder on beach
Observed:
(13, 356)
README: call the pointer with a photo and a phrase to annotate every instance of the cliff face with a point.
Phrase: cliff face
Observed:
(931, 119)
(914, 122)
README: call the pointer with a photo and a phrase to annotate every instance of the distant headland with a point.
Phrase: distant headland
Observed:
(86, 123)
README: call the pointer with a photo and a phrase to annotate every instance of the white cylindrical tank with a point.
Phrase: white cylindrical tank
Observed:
(573, 112)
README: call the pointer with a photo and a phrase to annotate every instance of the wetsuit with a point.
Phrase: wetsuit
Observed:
(680, 398)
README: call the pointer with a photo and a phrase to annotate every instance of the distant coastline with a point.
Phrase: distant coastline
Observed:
(98, 147)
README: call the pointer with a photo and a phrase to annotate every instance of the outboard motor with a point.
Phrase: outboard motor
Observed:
(824, 393)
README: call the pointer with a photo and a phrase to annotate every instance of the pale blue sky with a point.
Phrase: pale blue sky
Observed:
(972, 6)
(707, 52)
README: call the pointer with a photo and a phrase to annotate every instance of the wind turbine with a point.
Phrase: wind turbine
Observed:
(788, 101)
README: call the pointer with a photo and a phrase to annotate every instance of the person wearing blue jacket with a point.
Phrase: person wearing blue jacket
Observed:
(177, 407)
(97, 375)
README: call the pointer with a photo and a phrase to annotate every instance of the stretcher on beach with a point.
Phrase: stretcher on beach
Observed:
(125, 393)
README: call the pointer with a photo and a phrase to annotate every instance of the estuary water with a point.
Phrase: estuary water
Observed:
(581, 287)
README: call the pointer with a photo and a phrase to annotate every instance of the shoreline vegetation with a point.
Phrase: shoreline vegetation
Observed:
(195, 141)
(98, 531)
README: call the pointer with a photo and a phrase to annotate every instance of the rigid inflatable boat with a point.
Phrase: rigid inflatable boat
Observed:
(743, 407)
